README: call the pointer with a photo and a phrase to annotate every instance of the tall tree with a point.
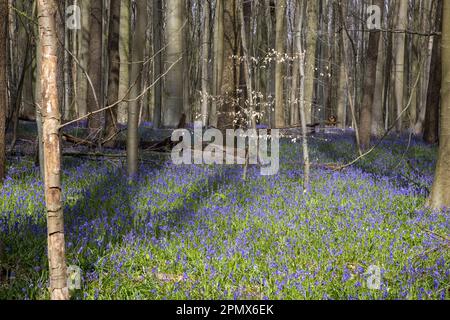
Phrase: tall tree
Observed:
(157, 45)
(399, 64)
(440, 197)
(3, 82)
(205, 64)
(247, 69)
(52, 120)
(94, 95)
(431, 125)
(279, 67)
(310, 60)
(113, 74)
(137, 52)
(218, 55)
(173, 91)
(369, 85)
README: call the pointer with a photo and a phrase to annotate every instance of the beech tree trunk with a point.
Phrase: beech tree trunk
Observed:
(219, 53)
(440, 195)
(52, 153)
(205, 59)
(369, 86)
(431, 125)
(173, 90)
(138, 47)
(114, 69)
(157, 43)
(3, 83)
(399, 64)
(280, 62)
(310, 60)
(94, 95)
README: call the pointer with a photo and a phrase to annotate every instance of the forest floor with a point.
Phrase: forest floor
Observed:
(201, 232)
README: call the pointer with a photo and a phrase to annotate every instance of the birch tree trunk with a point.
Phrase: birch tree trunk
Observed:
(3, 83)
(52, 154)
(440, 197)
(280, 62)
(301, 65)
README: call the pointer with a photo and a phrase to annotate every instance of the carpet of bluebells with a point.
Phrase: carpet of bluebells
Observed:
(201, 232)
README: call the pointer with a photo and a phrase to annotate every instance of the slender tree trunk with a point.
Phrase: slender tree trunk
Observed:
(311, 38)
(157, 44)
(3, 83)
(279, 64)
(294, 103)
(138, 47)
(205, 59)
(125, 57)
(440, 195)
(114, 69)
(38, 107)
(219, 52)
(377, 106)
(52, 119)
(83, 58)
(301, 65)
(246, 67)
(173, 97)
(95, 64)
(399, 66)
(369, 86)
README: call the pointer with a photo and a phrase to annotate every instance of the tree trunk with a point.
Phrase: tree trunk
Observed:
(311, 37)
(369, 86)
(94, 95)
(440, 197)
(157, 44)
(219, 52)
(247, 70)
(3, 83)
(52, 119)
(431, 129)
(294, 103)
(138, 47)
(301, 65)
(205, 59)
(173, 96)
(399, 64)
(280, 62)
(83, 58)
(377, 106)
(38, 105)
(114, 69)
